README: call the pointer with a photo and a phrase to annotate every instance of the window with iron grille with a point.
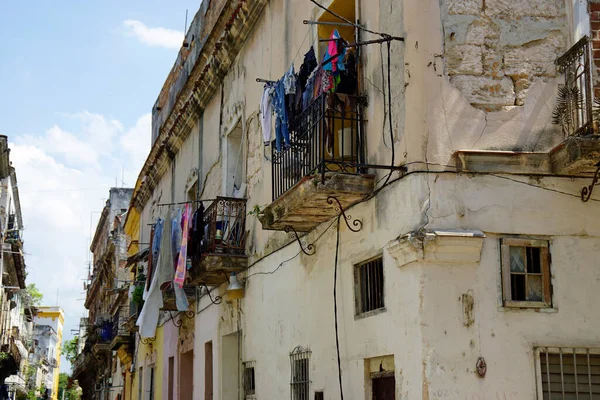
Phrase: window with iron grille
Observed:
(368, 282)
(300, 376)
(568, 373)
(526, 273)
(249, 380)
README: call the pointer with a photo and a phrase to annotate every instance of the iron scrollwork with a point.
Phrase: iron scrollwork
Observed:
(190, 314)
(147, 341)
(357, 223)
(309, 249)
(216, 300)
(586, 192)
(177, 323)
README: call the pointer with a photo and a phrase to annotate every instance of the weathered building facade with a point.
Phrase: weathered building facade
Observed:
(423, 237)
(104, 334)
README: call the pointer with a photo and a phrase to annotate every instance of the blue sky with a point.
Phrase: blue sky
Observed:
(77, 83)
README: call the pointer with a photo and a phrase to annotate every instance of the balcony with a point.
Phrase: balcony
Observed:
(120, 332)
(223, 246)
(576, 112)
(169, 301)
(100, 337)
(326, 158)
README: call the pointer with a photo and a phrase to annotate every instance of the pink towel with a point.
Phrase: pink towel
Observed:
(182, 260)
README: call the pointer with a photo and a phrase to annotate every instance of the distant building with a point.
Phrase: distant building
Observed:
(48, 330)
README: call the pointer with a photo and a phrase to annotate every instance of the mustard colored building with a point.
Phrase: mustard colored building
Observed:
(54, 317)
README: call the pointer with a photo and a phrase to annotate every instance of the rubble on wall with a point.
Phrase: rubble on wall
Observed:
(495, 49)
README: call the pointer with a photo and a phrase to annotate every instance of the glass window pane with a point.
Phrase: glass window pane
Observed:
(517, 259)
(535, 291)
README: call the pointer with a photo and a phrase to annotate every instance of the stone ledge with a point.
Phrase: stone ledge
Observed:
(449, 246)
(576, 156)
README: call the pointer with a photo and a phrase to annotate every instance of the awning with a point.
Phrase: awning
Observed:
(22, 349)
(137, 257)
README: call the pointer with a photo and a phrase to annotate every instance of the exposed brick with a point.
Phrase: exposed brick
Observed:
(594, 6)
(595, 16)
(595, 25)
(596, 44)
(597, 54)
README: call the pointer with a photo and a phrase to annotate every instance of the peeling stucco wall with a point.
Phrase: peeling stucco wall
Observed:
(495, 50)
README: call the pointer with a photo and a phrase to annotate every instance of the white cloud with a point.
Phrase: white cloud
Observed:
(64, 178)
(160, 37)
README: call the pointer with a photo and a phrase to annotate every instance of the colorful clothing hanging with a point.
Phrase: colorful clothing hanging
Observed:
(182, 260)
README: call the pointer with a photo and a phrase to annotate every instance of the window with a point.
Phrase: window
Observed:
(300, 377)
(368, 282)
(568, 373)
(249, 380)
(319, 395)
(525, 273)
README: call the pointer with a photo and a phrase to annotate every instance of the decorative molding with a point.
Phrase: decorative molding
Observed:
(449, 246)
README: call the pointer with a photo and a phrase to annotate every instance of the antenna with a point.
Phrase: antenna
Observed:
(123, 176)
(185, 43)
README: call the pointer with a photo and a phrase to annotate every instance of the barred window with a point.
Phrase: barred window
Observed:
(300, 376)
(526, 273)
(249, 380)
(368, 280)
(569, 373)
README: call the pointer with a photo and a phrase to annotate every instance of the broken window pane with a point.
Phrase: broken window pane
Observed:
(534, 264)
(517, 259)
(517, 286)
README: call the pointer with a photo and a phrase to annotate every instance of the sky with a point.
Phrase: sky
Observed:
(77, 83)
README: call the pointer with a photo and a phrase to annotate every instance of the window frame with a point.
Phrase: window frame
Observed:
(545, 261)
(565, 351)
(358, 300)
(249, 393)
(300, 389)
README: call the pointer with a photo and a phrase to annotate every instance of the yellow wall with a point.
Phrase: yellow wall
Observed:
(148, 355)
(57, 316)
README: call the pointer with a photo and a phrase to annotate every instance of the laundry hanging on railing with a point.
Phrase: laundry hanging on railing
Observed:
(291, 95)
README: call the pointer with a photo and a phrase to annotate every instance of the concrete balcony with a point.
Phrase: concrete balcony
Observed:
(222, 249)
(324, 158)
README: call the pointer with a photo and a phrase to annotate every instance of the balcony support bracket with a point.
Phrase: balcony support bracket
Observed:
(309, 249)
(586, 192)
(147, 341)
(356, 223)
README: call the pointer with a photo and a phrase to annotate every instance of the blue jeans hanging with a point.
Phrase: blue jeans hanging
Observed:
(281, 118)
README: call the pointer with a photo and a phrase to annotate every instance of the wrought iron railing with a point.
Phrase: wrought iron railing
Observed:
(575, 102)
(225, 227)
(327, 137)
(119, 322)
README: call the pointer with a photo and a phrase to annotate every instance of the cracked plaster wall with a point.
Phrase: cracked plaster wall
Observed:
(494, 50)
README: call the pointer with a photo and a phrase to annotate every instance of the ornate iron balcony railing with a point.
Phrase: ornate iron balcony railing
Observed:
(574, 106)
(327, 137)
(224, 224)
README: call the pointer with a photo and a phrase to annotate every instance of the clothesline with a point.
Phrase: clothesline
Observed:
(186, 202)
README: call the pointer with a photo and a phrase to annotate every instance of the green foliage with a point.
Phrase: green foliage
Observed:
(568, 102)
(137, 295)
(35, 296)
(3, 356)
(70, 349)
(65, 384)
(256, 211)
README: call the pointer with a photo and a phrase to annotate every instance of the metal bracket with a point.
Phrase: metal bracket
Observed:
(586, 192)
(309, 249)
(357, 223)
(216, 300)
(176, 323)
(190, 314)
(147, 341)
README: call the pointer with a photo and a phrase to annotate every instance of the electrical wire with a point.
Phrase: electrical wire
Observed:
(335, 310)
(389, 67)
(385, 35)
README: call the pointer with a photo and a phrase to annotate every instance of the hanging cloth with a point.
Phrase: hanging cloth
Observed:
(266, 114)
(336, 50)
(182, 260)
(148, 319)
